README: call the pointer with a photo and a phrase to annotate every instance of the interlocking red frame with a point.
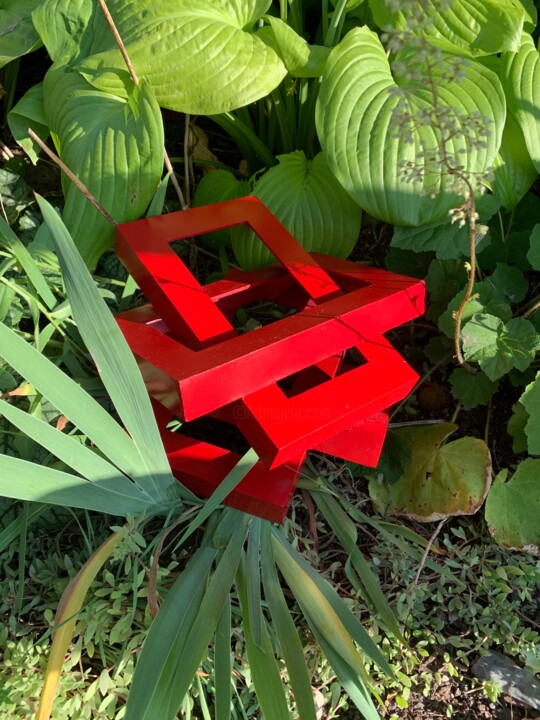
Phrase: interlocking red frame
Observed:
(195, 363)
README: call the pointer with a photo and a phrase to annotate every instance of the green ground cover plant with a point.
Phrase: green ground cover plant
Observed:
(414, 121)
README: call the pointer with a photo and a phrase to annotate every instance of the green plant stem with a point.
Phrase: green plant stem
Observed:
(532, 309)
(336, 24)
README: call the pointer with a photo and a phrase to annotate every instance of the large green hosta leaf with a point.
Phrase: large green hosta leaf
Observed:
(483, 26)
(17, 34)
(357, 129)
(306, 197)
(199, 56)
(521, 78)
(114, 146)
(513, 169)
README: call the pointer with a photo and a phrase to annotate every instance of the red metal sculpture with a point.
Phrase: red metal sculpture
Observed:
(319, 379)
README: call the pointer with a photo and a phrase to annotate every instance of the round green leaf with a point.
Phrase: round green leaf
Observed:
(358, 133)
(436, 480)
(199, 56)
(513, 507)
(471, 389)
(531, 402)
(533, 256)
(306, 197)
(482, 26)
(114, 146)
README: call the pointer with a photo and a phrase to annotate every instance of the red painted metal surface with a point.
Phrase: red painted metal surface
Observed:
(319, 379)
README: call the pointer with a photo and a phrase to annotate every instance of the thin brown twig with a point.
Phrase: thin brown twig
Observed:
(135, 79)
(426, 551)
(74, 179)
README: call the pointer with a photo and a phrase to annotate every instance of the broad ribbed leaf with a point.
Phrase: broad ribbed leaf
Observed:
(17, 33)
(69, 28)
(357, 129)
(115, 146)
(531, 402)
(483, 26)
(300, 58)
(29, 112)
(513, 169)
(521, 78)
(305, 196)
(214, 187)
(199, 56)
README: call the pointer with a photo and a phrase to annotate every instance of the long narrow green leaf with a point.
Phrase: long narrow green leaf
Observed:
(168, 671)
(239, 471)
(10, 533)
(223, 664)
(115, 362)
(286, 632)
(306, 582)
(71, 400)
(12, 242)
(262, 662)
(253, 580)
(167, 636)
(350, 680)
(346, 533)
(83, 460)
(23, 480)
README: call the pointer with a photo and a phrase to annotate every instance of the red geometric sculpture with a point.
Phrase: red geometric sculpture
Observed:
(319, 379)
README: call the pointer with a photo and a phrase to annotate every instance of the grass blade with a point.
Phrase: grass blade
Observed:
(262, 662)
(334, 619)
(346, 533)
(26, 261)
(253, 579)
(65, 620)
(71, 400)
(223, 664)
(83, 460)
(23, 480)
(10, 533)
(114, 360)
(286, 632)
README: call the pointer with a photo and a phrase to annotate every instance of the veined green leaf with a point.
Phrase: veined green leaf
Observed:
(199, 56)
(115, 363)
(306, 198)
(531, 402)
(485, 27)
(521, 79)
(214, 187)
(16, 29)
(252, 578)
(356, 128)
(23, 480)
(299, 57)
(113, 145)
(260, 654)
(286, 631)
(513, 169)
(472, 390)
(513, 507)
(29, 113)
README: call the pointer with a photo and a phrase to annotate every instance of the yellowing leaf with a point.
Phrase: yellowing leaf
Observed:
(437, 480)
(66, 617)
